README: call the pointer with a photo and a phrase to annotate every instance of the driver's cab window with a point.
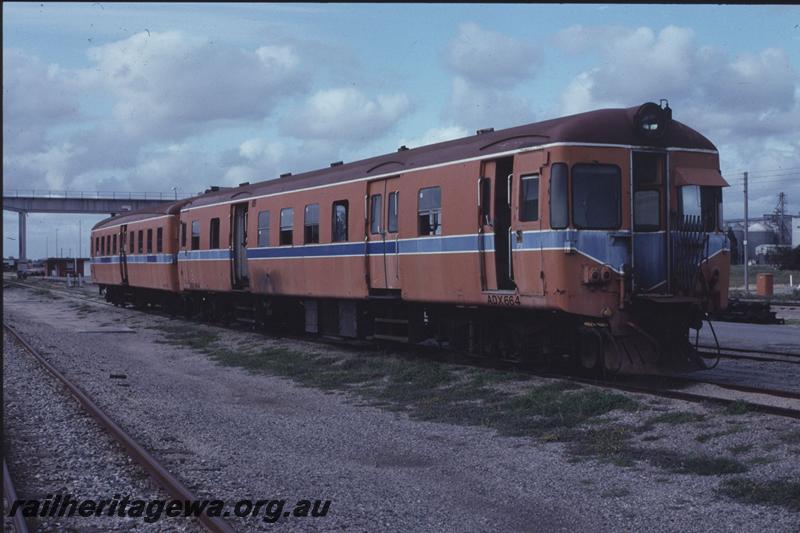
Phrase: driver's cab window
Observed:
(702, 202)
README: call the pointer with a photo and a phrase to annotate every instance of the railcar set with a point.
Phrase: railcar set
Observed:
(594, 238)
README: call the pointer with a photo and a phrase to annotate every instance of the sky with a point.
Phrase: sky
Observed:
(147, 97)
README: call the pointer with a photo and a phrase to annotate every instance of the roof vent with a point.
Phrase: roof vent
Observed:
(286, 174)
(337, 163)
(484, 130)
(402, 148)
(242, 184)
(213, 188)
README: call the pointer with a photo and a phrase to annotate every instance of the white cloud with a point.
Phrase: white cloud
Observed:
(36, 97)
(168, 83)
(487, 67)
(436, 135)
(260, 159)
(489, 58)
(475, 107)
(162, 87)
(345, 114)
(748, 105)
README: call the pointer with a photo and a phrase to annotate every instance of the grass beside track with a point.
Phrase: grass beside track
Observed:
(581, 417)
(781, 492)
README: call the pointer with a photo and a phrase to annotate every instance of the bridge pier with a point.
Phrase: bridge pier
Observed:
(23, 219)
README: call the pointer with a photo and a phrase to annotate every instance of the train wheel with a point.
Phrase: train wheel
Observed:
(590, 351)
(188, 308)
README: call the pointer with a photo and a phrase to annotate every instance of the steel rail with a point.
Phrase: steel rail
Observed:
(152, 466)
(726, 355)
(10, 495)
(750, 350)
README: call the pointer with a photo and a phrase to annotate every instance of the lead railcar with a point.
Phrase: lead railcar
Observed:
(595, 236)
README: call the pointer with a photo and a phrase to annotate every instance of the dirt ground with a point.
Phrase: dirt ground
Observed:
(399, 442)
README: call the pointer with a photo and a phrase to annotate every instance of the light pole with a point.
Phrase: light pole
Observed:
(11, 239)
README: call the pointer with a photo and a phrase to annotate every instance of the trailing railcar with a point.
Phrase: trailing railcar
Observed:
(134, 256)
(595, 236)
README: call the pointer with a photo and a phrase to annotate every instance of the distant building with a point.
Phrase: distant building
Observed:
(772, 254)
(60, 267)
(795, 232)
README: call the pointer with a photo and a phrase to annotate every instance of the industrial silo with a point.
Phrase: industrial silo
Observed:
(757, 234)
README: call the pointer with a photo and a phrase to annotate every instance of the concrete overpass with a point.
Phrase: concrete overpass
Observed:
(89, 202)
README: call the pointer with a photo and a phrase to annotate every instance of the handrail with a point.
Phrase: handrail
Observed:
(95, 195)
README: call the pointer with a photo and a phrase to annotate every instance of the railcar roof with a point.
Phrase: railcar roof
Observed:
(604, 126)
(142, 214)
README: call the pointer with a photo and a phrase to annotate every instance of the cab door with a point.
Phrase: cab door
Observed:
(527, 240)
(648, 217)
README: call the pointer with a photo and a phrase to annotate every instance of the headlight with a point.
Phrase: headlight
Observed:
(651, 120)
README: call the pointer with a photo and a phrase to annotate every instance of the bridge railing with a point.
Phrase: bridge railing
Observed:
(94, 195)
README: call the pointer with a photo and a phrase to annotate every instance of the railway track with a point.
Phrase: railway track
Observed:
(751, 355)
(673, 390)
(137, 452)
(10, 496)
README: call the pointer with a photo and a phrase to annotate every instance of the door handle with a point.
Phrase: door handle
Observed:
(510, 255)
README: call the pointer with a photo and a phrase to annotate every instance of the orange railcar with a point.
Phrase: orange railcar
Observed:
(596, 234)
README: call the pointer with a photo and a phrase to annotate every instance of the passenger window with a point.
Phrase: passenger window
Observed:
(114, 245)
(529, 198)
(97, 246)
(183, 236)
(263, 228)
(108, 244)
(214, 234)
(141, 241)
(131, 238)
(596, 196)
(559, 212)
(102, 246)
(159, 240)
(646, 210)
(287, 223)
(376, 206)
(311, 224)
(150, 241)
(195, 234)
(391, 224)
(339, 222)
(429, 211)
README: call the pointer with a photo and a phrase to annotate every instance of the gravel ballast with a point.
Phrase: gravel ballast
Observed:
(230, 433)
(54, 447)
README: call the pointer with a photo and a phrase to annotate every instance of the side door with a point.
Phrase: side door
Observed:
(391, 250)
(383, 233)
(486, 235)
(239, 245)
(123, 255)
